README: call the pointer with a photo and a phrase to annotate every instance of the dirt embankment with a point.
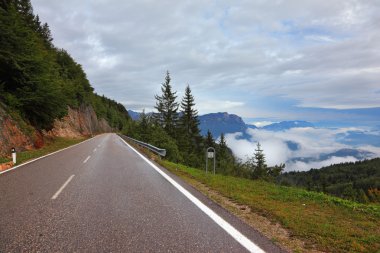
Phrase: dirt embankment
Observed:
(14, 132)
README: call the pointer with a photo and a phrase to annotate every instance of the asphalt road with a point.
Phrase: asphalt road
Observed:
(101, 196)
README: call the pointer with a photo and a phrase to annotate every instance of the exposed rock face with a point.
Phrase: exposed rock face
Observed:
(11, 135)
(78, 123)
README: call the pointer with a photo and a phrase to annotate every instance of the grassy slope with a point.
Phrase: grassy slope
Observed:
(49, 147)
(330, 223)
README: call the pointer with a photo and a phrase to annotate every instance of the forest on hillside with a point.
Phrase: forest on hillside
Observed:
(38, 81)
(358, 181)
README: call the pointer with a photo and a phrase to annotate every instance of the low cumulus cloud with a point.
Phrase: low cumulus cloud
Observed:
(262, 123)
(299, 148)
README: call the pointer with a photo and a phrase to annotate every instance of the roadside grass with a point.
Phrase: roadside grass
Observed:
(328, 223)
(4, 160)
(50, 146)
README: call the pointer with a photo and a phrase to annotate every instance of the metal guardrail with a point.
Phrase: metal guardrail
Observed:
(159, 151)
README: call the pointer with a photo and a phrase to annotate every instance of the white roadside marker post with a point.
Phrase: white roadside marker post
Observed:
(210, 154)
(14, 155)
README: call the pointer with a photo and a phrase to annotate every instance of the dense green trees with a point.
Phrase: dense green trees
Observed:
(359, 181)
(27, 68)
(39, 81)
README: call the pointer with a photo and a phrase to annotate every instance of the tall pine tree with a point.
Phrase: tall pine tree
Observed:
(189, 126)
(167, 107)
(189, 118)
(209, 141)
(144, 128)
(261, 170)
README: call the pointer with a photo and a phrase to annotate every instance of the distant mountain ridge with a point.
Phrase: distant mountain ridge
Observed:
(134, 115)
(223, 122)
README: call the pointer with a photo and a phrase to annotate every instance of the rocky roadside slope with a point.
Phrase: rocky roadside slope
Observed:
(14, 132)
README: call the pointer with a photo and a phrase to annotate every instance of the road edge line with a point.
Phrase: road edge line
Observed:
(233, 232)
(44, 156)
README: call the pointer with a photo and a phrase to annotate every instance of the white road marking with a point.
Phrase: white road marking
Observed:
(55, 152)
(243, 240)
(95, 150)
(62, 187)
(88, 157)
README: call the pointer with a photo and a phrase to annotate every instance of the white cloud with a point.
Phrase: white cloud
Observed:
(372, 149)
(240, 147)
(262, 123)
(311, 144)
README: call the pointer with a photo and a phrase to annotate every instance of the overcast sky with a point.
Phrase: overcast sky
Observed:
(310, 60)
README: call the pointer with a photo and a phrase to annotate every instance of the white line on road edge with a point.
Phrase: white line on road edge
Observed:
(55, 152)
(62, 187)
(95, 150)
(88, 157)
(243, 240)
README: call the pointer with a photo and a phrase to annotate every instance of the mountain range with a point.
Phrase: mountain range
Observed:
(134, 115)
(223, 122)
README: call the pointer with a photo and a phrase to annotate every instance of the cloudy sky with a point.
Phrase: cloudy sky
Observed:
(263, 60)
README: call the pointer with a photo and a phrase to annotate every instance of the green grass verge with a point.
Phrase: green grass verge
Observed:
(4, 160)
(49, 147)
(331, 224)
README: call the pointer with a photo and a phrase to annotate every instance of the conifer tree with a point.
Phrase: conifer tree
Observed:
(191, 141)
(223, 154)
(144, 126)
(261, 167)
(167, 107)
(225, 158)
(189, 119)
(209, 142)
(223, 145)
